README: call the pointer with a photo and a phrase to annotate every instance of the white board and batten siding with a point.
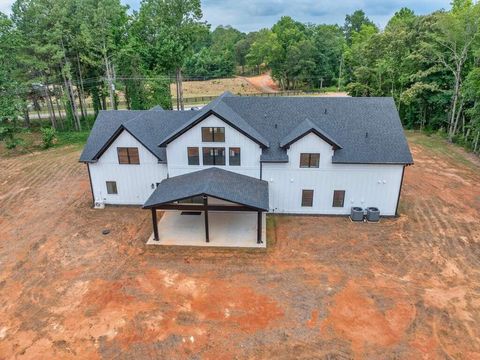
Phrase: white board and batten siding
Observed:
(135, 183)
(364, 185)
(250, 151)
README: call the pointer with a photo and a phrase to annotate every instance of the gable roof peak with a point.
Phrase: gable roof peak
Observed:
(304, 128)
(226, 94)
(220, 109)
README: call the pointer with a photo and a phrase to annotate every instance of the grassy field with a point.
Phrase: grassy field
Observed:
(438, 144)
(31, 141)
(325, 288)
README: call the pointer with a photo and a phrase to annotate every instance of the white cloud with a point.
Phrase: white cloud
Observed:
(5, 6)
(248, 15)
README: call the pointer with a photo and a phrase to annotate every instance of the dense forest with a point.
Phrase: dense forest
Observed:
(63, 54)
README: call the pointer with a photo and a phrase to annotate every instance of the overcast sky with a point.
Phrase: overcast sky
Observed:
(249, 15)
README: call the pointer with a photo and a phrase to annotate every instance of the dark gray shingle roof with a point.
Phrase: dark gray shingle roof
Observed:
(106, 123)
(303, 129)
(221, 109)
(216, 182)
(368, 130)
(146, 126)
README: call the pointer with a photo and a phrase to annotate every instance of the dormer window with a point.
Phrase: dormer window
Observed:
(213, 134)
(309, 160)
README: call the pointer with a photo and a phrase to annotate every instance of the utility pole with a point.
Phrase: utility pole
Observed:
(176, 88)
(111, 85)
(180, 88)
(340, 73)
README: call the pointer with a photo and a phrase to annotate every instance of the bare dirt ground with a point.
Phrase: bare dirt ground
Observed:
(215, 87)
(263, 83)
(238, 85)
(326, 288)
(335, 94)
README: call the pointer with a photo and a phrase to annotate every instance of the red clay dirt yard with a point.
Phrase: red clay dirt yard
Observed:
(405, 288)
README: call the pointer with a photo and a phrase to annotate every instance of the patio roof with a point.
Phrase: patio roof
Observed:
(214, 182)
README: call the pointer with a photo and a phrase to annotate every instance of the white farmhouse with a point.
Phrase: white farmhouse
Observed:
(291, 155)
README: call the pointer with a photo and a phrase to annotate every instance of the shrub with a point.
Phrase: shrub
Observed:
(12, 143)
(8, 133)
(49, 137)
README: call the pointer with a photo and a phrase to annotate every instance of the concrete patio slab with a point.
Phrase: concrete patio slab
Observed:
(227, 229)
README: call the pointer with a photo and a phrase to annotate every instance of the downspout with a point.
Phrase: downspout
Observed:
(91, 186)
(399, 191)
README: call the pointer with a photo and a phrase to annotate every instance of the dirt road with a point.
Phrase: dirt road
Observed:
(406, 288)
(263, 83)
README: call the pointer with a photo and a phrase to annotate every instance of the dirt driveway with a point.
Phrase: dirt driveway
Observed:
(326, 288)
(263, 83)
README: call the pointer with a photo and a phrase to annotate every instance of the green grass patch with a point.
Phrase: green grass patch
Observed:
(31, 140)
(72, 137)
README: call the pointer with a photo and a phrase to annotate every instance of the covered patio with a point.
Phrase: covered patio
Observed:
(227, 229)
(211, 207)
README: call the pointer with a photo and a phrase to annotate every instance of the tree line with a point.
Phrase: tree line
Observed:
(67, 53)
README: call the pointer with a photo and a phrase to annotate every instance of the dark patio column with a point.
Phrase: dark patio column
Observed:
(259, 227)
(205, 209)
(155, 225)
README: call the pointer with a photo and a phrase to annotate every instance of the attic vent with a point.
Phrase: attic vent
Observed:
(276, 126)
(325, 111)
(366, 134)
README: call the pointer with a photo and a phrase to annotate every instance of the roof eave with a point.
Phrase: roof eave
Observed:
(153, 206)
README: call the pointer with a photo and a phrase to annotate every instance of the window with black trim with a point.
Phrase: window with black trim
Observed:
(307, 198)
(213, 156)
(338, 198)
(193, 156)
(128, 155)
(213, 134)
(112, 187)
(309, 160)
(234, 156)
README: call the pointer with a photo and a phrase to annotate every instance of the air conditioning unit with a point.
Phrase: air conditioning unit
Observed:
(99, 205)
(356, 213)
(373, 214)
